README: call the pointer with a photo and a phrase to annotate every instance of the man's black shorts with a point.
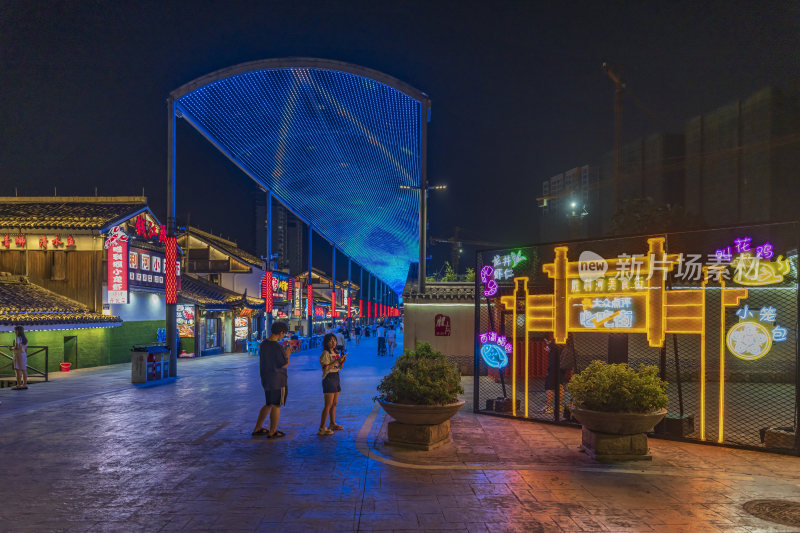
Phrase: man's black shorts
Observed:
(275, 396)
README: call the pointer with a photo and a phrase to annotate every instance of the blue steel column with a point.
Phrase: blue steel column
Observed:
(349, 312)
(171, 309)
(268, 316)
(361, 294)
(310, 270)
(368, 301)
(333, 285)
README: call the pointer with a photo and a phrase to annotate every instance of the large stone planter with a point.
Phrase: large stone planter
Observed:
(609, 437)
(421, 427)
(421, 415)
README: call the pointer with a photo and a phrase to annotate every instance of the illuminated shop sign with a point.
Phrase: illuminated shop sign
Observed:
(146, 268)
(495, 349)
(744, 245)
(146, 229)
(504, 265)
(752, 337)
(186, 315)
(609, 313)
(630, 295)
(40, 242)
(117, 247)
(280, 286)
(298, 298)
(755, 271)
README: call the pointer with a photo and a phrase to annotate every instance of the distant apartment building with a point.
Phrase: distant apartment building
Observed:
(652, 167)
(568, 205)
(742, 160)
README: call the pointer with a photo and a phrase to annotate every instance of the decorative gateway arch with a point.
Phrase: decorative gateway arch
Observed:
(332, 141)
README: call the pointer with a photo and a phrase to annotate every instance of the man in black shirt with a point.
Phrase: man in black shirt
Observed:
(273, 361)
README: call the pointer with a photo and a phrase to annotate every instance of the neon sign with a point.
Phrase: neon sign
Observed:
(495, 349)
(504, 264)
(487, 278)
(752, 338)
(609, 313)
(754, 271)
(743, 245)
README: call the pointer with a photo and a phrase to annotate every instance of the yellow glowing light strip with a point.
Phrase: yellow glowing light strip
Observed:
(514, 352)
(527, 352)
(721, 362)
(703, 362)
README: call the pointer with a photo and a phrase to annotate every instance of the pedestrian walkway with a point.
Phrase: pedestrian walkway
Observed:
(91, 452)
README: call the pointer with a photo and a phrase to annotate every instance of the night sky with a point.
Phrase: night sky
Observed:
(517, 89)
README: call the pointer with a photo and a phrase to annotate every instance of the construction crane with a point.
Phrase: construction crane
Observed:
(620, 89)
(457, 245)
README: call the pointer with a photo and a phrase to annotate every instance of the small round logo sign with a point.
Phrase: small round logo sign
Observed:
(749, 340)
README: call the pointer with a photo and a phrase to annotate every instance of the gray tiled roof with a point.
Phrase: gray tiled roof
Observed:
(209, 294)
(79, 213)
(27, 304)
(440, 291)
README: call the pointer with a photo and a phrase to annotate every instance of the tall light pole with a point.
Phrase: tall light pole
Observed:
(423, 224)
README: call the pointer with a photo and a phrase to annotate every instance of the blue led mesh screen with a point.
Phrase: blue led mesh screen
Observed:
(333, 146)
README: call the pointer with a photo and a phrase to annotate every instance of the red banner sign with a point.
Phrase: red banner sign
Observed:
(117, 246)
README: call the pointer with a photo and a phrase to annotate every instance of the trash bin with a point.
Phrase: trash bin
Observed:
(146, 363)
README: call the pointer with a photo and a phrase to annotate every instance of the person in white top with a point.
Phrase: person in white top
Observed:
(391, 340)
(381, 334)
(331, 362)
(340, 341)
(20, 358)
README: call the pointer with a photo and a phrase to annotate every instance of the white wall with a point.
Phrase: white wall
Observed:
(240, 282)
(141, 306)
(419, 327)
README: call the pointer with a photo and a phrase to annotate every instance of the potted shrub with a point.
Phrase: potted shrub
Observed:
(617, 406)
(421, 394)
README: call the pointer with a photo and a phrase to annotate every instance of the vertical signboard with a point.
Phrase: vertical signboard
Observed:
(117, 246)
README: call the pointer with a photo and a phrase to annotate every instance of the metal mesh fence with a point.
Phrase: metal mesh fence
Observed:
(716, 311)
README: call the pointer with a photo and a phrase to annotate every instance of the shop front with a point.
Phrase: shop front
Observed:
(81, 248)
(715, 311)
(221, 320)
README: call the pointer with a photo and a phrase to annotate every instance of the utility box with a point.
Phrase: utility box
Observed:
(149, 363)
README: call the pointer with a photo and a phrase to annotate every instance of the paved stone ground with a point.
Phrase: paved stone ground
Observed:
(91, 452)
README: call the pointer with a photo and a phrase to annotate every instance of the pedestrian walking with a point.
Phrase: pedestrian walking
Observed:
(20, 358)
(341, 342)
(391, 340)
(357, 333)
(381, 334)
(273, 362)
(331, 362)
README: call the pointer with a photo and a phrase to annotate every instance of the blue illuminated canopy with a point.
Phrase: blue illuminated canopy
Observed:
(332, 141)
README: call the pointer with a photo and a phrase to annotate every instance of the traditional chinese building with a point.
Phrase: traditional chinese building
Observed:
(105, 253)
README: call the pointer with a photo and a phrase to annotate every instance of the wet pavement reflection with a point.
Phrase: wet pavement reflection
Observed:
(90, 452)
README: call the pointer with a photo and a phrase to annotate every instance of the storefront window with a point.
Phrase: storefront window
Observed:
(212, 332)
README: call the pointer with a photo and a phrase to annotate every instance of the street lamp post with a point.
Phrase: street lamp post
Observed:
(423, 224)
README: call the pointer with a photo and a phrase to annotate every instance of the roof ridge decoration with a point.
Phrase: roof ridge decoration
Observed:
(331, 141)
(73, 199)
